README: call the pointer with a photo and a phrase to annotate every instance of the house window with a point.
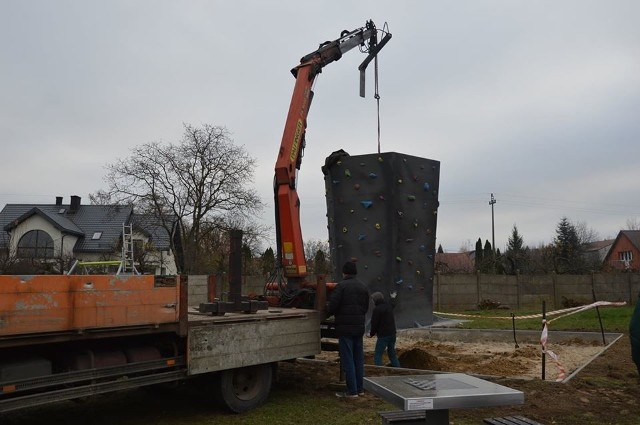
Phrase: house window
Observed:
(96, 236)
(35, 244)
(626, 256)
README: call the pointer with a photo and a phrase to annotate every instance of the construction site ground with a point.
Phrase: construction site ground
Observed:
(604, 389)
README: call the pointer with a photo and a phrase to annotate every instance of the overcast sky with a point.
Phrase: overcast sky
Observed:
(537, 102)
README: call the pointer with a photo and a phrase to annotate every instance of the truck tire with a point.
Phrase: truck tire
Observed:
(245, 388)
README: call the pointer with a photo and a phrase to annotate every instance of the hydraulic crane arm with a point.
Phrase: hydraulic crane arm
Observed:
(287, 204)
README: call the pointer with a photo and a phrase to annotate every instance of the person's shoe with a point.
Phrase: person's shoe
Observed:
(346, 395)
(361, 393)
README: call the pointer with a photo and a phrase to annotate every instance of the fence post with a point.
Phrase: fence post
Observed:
(478, 288)
(518, 288)
(437, 276)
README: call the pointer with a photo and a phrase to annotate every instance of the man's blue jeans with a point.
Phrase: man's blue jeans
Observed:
(352, 359)
(388, 343)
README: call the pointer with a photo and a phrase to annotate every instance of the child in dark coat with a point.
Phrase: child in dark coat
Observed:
(383, 324)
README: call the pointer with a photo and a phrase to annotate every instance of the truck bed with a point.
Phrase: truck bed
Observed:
(241, 339)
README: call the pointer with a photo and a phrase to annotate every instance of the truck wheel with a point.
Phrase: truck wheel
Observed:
(245, 388)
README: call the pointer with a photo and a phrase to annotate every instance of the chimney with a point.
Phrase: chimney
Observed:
(58, 201)
(75, 204)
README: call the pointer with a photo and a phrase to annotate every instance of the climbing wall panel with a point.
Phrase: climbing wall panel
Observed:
(382, 213)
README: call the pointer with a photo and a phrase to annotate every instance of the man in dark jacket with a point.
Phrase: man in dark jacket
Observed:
(349, 303)
(383, 324)
(634, 334)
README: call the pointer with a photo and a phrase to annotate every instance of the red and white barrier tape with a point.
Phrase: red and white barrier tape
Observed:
(562, 373)
(569, 311)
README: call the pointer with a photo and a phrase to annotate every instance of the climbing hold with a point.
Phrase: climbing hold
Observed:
(356, 186)
(366, 204)
(351, 211)
(377, 253)
(418, 272)
(335, 181)
(361, 237)
(354, 259)
(410, 286)
(366, 267)
(339, 162)
(415, 223)
(423, 248)
(415, 178)
(362, 164)
(408, 240)
(399, 282)
(410, 262)
(365, 218)
(347, 173)
(381, 197)
(411, 197)
(430, 256)
(378, 226)
(399, 181)
(380, 159)
(344, 230)
(400, 214)
(399, 259)
(373, 175)
(426, 186)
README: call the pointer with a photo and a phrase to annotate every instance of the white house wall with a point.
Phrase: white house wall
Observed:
(60, 241)
(158, 258)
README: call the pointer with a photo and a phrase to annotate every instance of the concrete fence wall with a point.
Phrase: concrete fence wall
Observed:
(456, 292)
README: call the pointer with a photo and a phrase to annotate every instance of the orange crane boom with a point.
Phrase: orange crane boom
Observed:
(291, 258)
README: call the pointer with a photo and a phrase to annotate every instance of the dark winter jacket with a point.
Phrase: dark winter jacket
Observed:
(634, 334)
(383, 323)
(349, 303)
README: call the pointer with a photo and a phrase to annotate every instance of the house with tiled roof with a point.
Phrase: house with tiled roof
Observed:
(454, 262)
(596, 252)
(59, 233)
(624, 254)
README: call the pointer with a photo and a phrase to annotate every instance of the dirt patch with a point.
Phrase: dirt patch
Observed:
(522, 360)
(605, 390)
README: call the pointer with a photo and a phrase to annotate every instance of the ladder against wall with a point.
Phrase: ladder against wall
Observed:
(127, 266)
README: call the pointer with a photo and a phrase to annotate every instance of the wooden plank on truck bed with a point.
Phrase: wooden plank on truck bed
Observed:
(238, 340)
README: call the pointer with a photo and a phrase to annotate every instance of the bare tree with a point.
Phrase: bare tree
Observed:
(317, 255)
(189, 186)
(586, 234)
(633, 224)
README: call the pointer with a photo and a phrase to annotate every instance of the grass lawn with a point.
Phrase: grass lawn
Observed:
(613, 318)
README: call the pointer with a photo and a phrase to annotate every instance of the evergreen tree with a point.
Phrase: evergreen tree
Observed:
(479, 256)
(268, 262)
(487, 258)
(321, 265)
(440, 250)
(517, 254)
(488, 251)
(567, 248)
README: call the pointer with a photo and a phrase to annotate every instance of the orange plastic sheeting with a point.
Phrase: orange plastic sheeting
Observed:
(34, 304)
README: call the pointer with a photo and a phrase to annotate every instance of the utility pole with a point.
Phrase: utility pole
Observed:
(493, 231)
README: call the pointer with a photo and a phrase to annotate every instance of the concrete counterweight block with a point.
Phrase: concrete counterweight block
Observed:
(382, 213)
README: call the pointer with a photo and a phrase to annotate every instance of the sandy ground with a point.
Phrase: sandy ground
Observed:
(491, 358)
